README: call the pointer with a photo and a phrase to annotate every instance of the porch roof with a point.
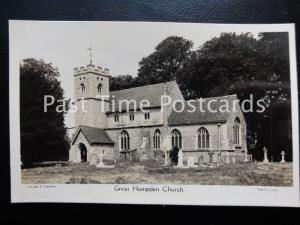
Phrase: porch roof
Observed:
(93, 135)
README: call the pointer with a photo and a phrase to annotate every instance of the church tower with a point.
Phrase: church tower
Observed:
(91, 95)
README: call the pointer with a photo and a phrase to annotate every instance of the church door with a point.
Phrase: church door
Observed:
(83, 152)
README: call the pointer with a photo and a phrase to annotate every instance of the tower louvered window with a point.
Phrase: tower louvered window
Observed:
(82, 88)
(99, 88)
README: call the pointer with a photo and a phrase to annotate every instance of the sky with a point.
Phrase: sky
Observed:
(118, 46)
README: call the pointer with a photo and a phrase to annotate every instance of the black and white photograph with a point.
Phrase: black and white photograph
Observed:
(162, 109)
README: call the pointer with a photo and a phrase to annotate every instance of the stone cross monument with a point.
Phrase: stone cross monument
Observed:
(246, 156)
(165, 147)
(101, 162)
(282, 157)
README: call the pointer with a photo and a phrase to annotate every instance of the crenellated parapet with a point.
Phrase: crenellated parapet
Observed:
(91, 69)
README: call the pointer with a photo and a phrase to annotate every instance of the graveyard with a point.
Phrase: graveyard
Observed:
(154, 172)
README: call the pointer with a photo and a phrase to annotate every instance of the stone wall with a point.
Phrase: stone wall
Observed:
(136, 138)
(139, 119)
(189, 140)
(94, 115)
(190, 136)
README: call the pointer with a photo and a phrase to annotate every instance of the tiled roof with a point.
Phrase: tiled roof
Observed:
(204, 116)
(152, 93)
(93, 135)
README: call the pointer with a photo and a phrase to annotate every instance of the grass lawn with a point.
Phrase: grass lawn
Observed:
(271, 174)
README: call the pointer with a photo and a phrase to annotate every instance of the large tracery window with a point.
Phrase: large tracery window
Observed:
(203, 138)
(176, 139)
(236, 131)
(125, 140)
(156, 139)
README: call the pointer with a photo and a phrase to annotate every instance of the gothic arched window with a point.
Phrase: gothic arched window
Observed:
(156, 139)
(125, 140)
(236, 131)
(99, 87)
(203, 138)
(176, 139)
(82, 88)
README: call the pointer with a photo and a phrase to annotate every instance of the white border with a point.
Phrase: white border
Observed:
(193, 194)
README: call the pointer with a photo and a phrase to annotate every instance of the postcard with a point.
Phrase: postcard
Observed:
(153, 113)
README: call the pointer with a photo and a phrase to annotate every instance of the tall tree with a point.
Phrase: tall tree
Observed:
(43, 134)
(275, 63)
(244, 65)
(218, 64)
(162, 65)
(123, 81)
(232, 64)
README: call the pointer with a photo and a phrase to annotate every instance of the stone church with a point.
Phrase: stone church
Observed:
(113, 132)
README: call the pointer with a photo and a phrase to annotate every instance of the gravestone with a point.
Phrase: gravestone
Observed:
(93, 159)
(219, 157)
(227, 157)
(282, 157)
(165, 147)
(144, 142)
(210, 156)
(233, 159)
(180, 159)
(250, 157)
(200, 160)
(190, 162)
(266, 160)
(246, 157)
(166, 158)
